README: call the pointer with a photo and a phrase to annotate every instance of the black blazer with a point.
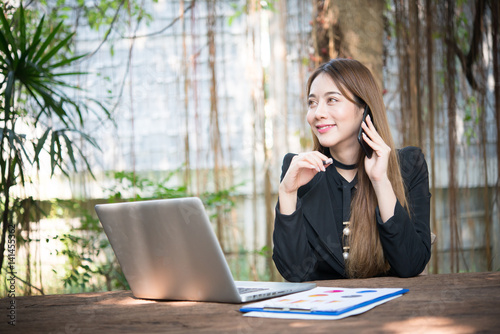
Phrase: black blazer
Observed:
(306, 248)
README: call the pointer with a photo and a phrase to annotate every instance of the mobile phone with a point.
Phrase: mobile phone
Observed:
(366, 148)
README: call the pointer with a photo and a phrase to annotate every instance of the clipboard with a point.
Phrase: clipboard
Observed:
(325, 301)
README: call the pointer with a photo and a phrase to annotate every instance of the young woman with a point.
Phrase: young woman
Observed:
(340, 213)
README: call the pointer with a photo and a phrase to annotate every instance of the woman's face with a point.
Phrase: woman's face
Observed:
(334, 120)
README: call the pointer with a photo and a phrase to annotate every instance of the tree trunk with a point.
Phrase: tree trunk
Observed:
(429, 10)
(495, 50)
(187, 174)
(403, 70)
(452, 136)
(357, 30)
(413, 50)
(214, 112)
(283, 59)
(131, 93)
(495, 34)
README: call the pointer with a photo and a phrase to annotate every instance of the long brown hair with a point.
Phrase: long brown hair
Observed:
(356, 83)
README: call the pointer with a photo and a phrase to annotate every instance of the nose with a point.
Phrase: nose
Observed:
(320, 111)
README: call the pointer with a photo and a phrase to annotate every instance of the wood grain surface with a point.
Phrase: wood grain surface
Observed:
(446, 303)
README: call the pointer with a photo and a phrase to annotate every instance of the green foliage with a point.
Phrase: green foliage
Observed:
(219, 202)
(265, 251)
(390, 22)
(471, 118)
(135, 187)
(240, 10)
(31, 66)
(112, 15)
(462, 32)
(90, 262)
(37, 115)
(90, 259)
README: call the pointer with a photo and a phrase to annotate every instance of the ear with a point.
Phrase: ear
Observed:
(360, 112)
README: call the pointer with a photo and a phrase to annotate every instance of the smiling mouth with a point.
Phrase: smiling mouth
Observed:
(324, 128)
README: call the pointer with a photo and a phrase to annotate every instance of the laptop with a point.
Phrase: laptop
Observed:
(168, 250)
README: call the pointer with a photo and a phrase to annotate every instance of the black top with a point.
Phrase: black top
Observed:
(307, 243)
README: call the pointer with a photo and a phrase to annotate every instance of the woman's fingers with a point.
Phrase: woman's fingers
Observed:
(302, 169)
(373, 138)
(370, 130)
(312, 160)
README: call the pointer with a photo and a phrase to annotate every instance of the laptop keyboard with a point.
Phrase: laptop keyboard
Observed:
(249, 290)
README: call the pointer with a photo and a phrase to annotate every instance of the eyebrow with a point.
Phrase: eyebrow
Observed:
(327, 93)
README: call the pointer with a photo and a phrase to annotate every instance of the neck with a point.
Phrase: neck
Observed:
(348, 158)
(345, 156)
(340, 165)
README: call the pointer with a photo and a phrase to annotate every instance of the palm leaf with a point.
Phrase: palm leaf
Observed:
(39, 145)
(67, 62)
(48, 56)
(21, 145)
(34, 96)
(17, 161)
(87, 138)
(22, 30)
(102, 108)
(9, 38)
(9, 91)
(69, 149)
(84, 157)
(56, 157)
(4, 48)
(27, 64)
(52, 152)
(47, 42)
(36, 39)
(49, 103)
(14, 139)
(62, 74)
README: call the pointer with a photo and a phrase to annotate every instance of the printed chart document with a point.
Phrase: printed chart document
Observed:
(322, 303)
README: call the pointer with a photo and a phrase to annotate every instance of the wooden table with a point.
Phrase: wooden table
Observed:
(448, 303)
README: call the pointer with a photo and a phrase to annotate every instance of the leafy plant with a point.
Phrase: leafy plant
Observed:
(269, 5)
(90, 259)
(131, 186)
(37, 116)
(471, 118)
(90, 262)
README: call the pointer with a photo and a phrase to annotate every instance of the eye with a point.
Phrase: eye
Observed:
(332, 100)
(311, 103)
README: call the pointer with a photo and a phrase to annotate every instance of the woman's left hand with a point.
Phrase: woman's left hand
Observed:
(376, 166)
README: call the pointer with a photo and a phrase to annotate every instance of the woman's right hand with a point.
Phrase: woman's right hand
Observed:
(303, 168)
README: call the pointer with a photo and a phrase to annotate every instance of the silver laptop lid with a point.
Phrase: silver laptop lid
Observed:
(168, 250)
